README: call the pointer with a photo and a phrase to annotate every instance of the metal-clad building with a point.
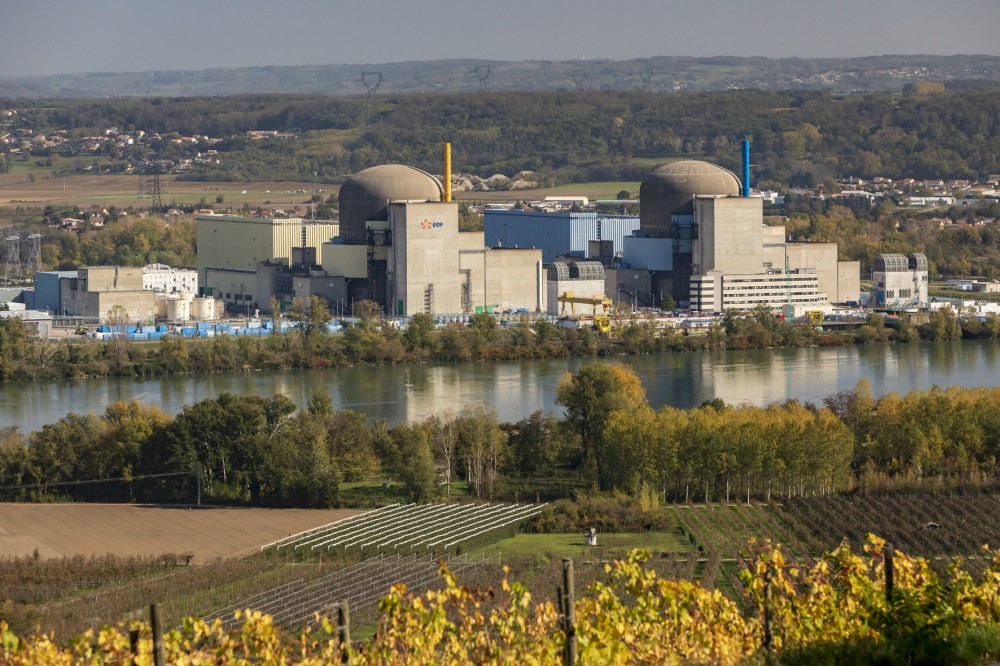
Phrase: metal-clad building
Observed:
(231, 246)
(47, 294)
(555, 234)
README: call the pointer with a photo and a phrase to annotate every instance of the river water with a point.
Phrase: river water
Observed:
(517, 388)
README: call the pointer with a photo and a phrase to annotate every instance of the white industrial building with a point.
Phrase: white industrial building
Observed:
(900, 281)
(163, 279)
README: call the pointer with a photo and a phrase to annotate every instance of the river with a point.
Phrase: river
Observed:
(517, 388)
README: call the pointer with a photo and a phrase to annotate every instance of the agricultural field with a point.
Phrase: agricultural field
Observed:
(122, 191)
(132, 530)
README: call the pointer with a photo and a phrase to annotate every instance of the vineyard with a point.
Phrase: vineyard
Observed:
(930, 524)
(846, 607)
(422, 529)
(360, 557)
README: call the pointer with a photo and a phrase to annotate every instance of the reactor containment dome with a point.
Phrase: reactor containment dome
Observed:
(365, 195)
(669, 190)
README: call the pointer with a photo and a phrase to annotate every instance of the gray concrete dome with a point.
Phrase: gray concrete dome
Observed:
(364, 195)
(668, 190)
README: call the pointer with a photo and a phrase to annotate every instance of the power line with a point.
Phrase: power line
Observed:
(89, 481)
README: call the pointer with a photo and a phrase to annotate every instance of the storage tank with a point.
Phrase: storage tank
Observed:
(179, 308)
(203, 309)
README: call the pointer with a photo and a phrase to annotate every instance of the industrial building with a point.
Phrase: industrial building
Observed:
(703, 240)
(96, 290)
(48, 290)
(161, 278)
(231, 246)
(557, 233)
(900, 281)
(578, 286)
(400, 246)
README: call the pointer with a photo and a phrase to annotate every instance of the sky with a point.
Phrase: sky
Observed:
(39, 37)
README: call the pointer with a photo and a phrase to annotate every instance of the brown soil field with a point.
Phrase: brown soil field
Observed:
(123, 191)
(58, 530)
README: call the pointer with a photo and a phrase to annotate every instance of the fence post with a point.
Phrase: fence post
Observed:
(569, 605)
(133, 643)
(157, 624)
(768, 638)
(344, 628)
(889, 583)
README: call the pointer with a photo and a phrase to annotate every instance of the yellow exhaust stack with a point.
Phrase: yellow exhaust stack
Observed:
(446, 196)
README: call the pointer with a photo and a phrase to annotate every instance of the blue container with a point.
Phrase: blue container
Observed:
(187, 331)
(203, 325)
(161, 328)
(155, 335)
(224, 326)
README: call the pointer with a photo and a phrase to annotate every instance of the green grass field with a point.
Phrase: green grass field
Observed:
(554, 546)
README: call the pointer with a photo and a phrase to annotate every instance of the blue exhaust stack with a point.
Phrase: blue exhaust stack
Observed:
(746, 168)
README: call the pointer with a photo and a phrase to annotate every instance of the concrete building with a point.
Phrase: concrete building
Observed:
(166, 280)
(401, 247)
(98, 289)
(231, 246)
(708, 247)
(575, 288)
(900, 281)
(738, 262)
(558, 233)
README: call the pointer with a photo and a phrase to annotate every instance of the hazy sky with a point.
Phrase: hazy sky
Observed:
(70, 36)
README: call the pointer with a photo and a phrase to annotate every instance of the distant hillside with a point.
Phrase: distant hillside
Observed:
(660, 74)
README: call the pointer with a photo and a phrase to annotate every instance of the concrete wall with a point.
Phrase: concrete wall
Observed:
(140, 305)
(510, 279)
(347, 260)
(234, 287)
(329, 288)
(822, 259)
(729, 235)
(849, 282)
(621, 282)
(655, 254)
(423, 263)
(110, 278)
(580, 288)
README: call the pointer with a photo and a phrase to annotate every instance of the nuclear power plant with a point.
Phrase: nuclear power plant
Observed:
(701, 239)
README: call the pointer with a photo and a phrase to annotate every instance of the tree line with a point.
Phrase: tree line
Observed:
(572, 137)
(373, 340)
(249, 449)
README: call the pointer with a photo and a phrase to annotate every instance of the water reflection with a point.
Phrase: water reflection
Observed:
(518, 388)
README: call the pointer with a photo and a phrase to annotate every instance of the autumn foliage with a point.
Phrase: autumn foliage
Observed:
(836, 610)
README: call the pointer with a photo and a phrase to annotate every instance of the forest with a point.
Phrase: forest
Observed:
(253, 450)
(798, 137)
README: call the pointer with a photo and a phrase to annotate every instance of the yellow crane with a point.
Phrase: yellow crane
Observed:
(602, 322)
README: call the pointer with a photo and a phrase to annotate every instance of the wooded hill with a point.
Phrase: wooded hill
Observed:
(798, 138)
(659, 74)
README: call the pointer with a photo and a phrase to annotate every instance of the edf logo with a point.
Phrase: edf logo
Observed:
(427, 224)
